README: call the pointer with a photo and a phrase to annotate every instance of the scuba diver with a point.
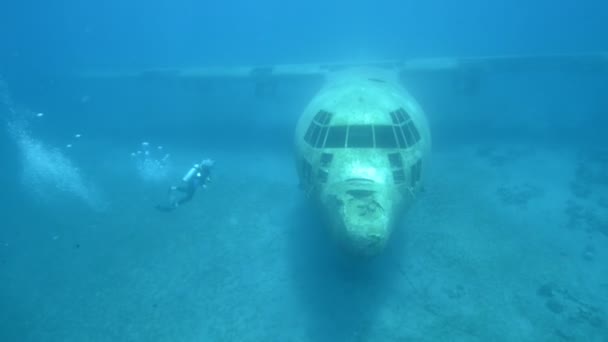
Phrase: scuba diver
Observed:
(198, 176)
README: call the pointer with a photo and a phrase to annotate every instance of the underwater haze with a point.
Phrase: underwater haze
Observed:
(508, 242)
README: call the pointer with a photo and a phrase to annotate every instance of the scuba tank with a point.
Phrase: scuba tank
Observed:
(191, 173)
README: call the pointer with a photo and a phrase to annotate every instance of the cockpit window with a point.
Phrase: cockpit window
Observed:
(336, 137)
(317, 131)
(322, 175)
(399, 134)
(323, 117)
(385, 137)
(416, 171)
(396, 161)
(399, 176)
(324, 163)
(399, 116)
(322, 134)
(326, 159)
(312, 133)
(414, 131)
(406, 131)
(360, 136)
(408, 135)
(402, 134)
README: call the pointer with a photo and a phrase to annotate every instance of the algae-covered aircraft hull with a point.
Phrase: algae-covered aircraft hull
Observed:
(362, 144)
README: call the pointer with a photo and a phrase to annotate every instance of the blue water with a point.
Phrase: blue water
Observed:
(507, 243)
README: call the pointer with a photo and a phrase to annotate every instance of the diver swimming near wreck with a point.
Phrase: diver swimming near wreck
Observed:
(198, 176)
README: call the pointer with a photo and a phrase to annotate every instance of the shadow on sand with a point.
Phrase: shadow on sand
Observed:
(340, 294)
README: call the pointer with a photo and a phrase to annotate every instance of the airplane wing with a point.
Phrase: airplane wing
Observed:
(589, 61)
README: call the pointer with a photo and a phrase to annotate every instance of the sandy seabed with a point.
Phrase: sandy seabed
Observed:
(507, 243)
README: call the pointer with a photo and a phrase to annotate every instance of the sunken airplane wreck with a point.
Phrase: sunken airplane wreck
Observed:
(362, 145)
(363, 142)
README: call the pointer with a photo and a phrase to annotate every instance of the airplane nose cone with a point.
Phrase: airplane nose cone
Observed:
(362, 220)
(365, 227)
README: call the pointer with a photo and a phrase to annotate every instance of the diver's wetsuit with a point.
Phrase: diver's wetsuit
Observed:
(190, 187)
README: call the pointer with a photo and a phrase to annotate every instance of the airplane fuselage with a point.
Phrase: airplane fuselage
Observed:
(362, 144)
